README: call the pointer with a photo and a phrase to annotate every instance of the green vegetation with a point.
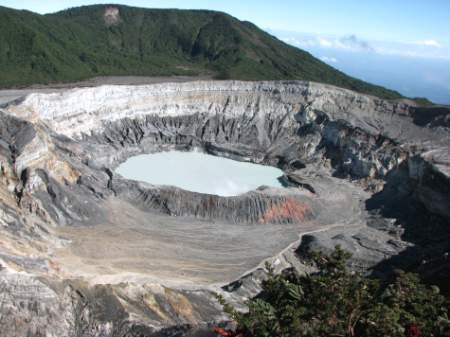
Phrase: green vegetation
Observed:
(78, 43)
(423, 101)
(337, 302)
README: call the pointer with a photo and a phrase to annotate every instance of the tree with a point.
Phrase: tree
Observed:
(335, 301)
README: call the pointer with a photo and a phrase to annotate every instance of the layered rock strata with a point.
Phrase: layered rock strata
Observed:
(87, 252)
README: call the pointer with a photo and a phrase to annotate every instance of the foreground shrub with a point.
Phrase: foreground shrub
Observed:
(337, 302)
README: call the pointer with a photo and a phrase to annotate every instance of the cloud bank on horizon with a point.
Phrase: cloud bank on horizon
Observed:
(416, 68)
(429, 48)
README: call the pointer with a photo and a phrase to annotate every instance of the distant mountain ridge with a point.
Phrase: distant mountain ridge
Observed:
(102, 40)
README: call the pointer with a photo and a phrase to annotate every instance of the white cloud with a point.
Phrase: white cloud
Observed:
(328, 59)
(429, 43)
(350, 42)
(405, 50)
(290, 40)
(324, 42)
(429, 48)
(354, 43)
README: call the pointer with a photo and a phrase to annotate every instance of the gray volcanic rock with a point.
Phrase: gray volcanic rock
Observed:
(252, 207)
(106, 256)
(432, 117)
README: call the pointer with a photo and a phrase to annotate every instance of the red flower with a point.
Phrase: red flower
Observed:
(227, 333)
(223, 332)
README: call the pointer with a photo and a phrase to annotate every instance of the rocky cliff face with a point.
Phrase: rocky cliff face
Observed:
(368, 174)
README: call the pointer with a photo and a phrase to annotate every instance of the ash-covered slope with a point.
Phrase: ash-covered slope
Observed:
(103, 40)
(362, 172)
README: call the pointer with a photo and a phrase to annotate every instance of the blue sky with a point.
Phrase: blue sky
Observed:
(402, 44)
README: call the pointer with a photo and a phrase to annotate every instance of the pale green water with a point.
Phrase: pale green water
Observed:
(199, 172)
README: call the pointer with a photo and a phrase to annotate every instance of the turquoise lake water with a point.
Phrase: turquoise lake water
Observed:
(199, 172)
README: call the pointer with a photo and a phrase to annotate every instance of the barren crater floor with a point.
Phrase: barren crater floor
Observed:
(178, 252)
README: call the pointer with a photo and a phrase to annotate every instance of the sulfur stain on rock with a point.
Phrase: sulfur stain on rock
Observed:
(153, 305)
(288, 210)
(62, 171)
(181, 305)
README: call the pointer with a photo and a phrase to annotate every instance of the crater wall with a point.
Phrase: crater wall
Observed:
(368, 174)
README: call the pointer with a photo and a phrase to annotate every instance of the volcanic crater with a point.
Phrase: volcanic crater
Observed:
(359, 171)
